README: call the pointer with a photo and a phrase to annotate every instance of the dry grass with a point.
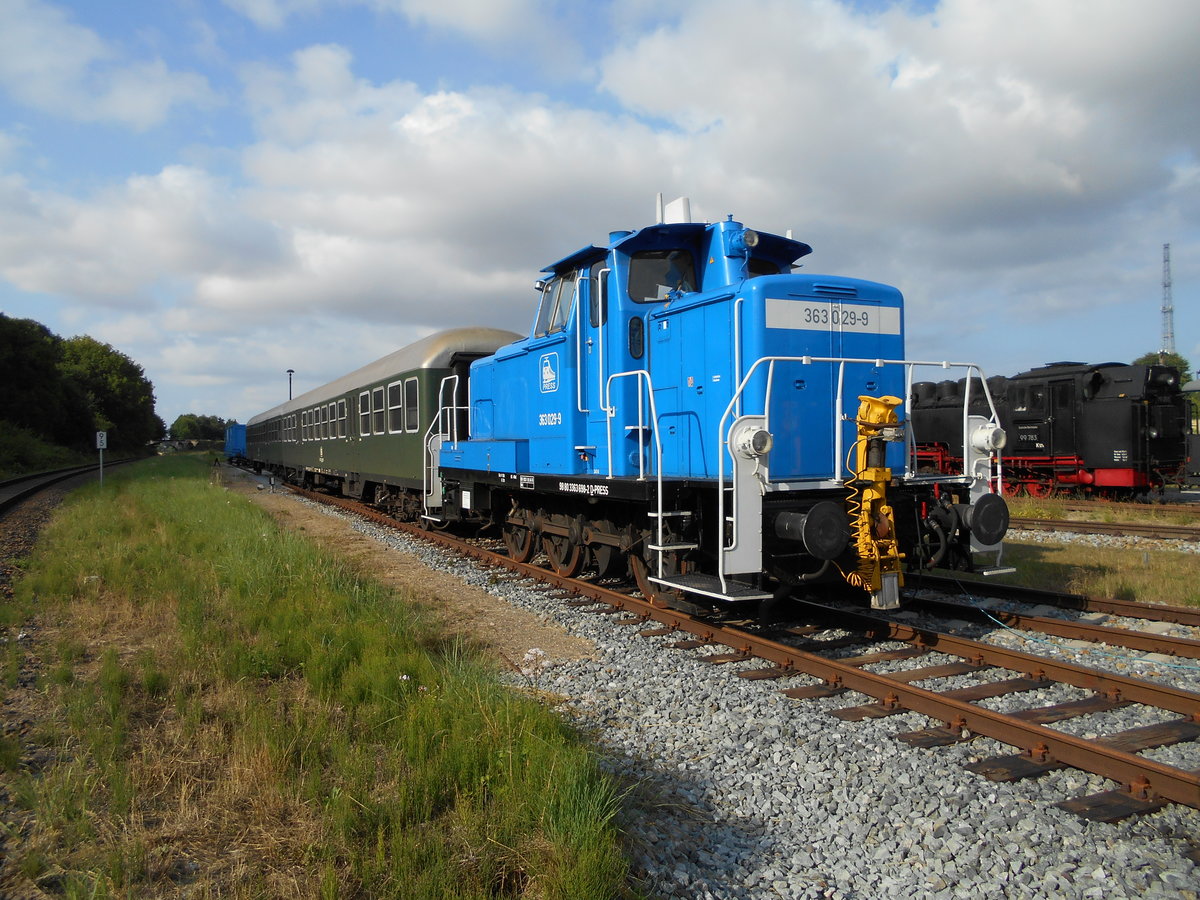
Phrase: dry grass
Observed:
(1148, 574)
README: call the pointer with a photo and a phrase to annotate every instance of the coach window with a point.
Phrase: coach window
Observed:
(412, 402)
(364, 413)
(655, 273)
(332, 408)
(304, 425)
(341, 408)
(378, 412)
(395, 398)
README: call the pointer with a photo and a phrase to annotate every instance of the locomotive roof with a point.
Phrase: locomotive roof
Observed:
(1065, 368)
(666, 235)
(433, 352)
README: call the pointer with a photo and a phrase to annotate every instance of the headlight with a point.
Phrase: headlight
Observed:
(988, 438)
(741, 242)
(751, 442)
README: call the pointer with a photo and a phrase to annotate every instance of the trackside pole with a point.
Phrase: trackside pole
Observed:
(101, 443)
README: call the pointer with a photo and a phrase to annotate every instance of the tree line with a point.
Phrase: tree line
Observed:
(64, 390)
(191, 427)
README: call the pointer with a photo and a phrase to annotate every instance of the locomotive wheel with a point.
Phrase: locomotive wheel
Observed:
(642, 569)
(1038, 489)
(519, 541)
(608, 559)
(565, 556)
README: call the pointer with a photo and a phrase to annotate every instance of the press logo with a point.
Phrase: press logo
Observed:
(549, 367)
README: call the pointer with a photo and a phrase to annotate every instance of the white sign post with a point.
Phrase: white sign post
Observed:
(101, 443)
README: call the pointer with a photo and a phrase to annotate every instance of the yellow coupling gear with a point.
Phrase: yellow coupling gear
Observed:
(872, 525)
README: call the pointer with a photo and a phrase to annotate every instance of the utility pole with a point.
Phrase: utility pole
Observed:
(1168, 309)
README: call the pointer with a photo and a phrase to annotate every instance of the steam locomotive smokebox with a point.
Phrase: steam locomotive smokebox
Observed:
(987, 518)
(823, 530)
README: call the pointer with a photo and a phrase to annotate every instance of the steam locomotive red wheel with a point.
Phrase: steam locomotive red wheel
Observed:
(1038, 489)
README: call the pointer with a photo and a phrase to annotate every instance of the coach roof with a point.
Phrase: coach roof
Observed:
(437, 351)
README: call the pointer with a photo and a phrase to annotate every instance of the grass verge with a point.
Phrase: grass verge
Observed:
(236, 714)
(1149, 576)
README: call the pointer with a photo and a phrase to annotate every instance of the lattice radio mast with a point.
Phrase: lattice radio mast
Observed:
(1168, 309)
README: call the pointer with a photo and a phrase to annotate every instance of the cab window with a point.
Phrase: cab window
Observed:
(655, 273)
(758, 267)
(598, 295)
(555, 307)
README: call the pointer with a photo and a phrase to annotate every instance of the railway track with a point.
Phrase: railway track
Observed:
(1182, 508)
(14, 491)
(833, 650)
(1140, 529)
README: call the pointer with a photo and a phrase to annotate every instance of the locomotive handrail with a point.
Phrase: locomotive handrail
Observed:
(577, 303)
(640, 374)
(451, 407)
(735, 402)
(602, 318)
(446, 421)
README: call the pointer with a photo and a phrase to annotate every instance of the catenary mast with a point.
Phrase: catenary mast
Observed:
(1168, 309)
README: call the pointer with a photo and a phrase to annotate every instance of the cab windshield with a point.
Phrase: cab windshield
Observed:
(555, 308)
(655, 273)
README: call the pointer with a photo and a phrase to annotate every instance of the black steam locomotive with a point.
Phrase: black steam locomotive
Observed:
(1107, 430)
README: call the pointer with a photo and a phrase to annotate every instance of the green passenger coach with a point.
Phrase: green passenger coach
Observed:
(363, 435)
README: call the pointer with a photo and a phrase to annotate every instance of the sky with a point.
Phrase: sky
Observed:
(227, 189)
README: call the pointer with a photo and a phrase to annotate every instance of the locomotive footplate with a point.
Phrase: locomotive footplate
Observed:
(710, 586)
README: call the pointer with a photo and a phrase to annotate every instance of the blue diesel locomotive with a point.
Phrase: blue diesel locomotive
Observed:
(689, 408)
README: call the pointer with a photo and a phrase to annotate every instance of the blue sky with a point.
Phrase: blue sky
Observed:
(225, 190)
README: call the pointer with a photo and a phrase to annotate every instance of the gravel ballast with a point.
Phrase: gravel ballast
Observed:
(739, 792)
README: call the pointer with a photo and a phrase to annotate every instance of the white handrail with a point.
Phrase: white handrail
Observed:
(770, 361)
(639, 375)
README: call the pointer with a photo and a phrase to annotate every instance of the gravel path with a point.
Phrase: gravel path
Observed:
(738, 792)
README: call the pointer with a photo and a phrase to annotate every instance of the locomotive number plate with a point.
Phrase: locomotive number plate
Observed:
(813, 315)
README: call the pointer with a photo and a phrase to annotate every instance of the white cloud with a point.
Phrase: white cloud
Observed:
(49, 63)
(1001, 164)
(272, 14)
(115, 247)
(485, 20)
